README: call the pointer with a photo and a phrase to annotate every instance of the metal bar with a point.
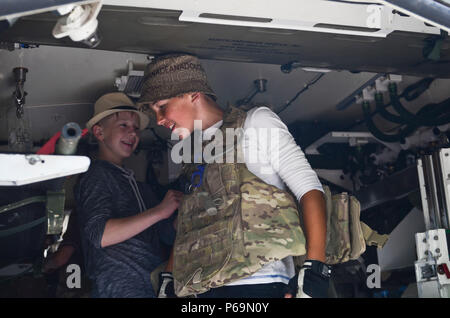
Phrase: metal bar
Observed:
(22, 227)
(433, 201)
(423, 193)
(339, 137)
(355, 18)
(441, 185)
(352, 97)
(19, 204)
(445, 164)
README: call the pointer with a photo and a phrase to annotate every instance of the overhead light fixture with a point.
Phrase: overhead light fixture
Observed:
(288, 67)
(316, 69)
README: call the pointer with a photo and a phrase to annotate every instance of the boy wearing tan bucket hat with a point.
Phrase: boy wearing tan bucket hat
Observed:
(123, 226)
(215, 255)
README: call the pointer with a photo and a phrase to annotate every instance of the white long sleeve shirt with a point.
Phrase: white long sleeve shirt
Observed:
(271, 153)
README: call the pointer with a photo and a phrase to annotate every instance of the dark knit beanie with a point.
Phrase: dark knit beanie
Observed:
(173, 75)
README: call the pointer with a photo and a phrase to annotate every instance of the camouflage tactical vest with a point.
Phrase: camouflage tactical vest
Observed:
(232, 224)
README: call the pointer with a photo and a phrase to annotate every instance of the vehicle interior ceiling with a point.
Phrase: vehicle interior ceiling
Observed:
(310, 79)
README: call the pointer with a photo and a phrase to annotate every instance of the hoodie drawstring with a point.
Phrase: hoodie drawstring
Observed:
(129, 174)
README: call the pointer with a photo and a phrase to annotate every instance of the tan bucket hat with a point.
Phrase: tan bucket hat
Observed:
(112, 103)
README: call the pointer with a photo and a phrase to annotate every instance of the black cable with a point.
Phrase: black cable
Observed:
(410, 93)
(413, 91)
(430, 119)
(398, 137)
(406, 92)
(440, 111)
(432, 109)
(306, 87)
(380, 107)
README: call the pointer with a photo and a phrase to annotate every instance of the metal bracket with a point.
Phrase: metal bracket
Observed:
(374, 20)
(353, 138)
(368, 18)
(430, 11)
(432, 254)
(131, 83)
(17, 169)
(434, 180)
(366, 92)
(55, 211)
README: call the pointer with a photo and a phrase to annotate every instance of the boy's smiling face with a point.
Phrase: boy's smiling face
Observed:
(118, 136)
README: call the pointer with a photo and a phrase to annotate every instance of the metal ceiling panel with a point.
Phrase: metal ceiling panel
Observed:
(156, 31)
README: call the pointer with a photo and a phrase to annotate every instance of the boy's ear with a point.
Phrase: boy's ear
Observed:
(97, 130)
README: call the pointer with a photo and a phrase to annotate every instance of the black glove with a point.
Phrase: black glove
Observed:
(166, 288)
(312, 281)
